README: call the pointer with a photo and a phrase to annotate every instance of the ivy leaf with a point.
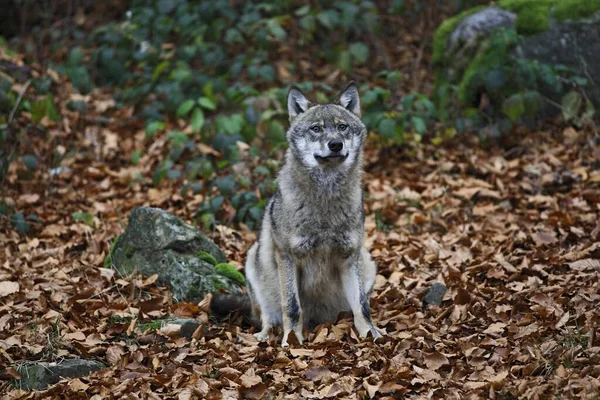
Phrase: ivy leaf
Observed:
(185, 108)
(207, 103)
(387, 128)
(418, 124)
(571, 103)
(30, 161)
(532, 101)
(514, 107)
(154, 127)
(302, 11)
(197, 119)
(360, 52)
(18, 222)
(276, 30)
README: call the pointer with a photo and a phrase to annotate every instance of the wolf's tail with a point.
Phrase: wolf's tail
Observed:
(224, 304)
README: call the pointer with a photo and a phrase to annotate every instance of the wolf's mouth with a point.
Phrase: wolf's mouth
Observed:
(332, 157)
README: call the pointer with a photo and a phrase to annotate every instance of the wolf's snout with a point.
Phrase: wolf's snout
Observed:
(335, 145)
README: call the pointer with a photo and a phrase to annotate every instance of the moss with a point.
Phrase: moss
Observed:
(152, 325)
(108, 261)
(194, 292)
(493, 55)
(533, 20)
(229, 271)
(575, 9)
(442, 34)
(533, 15)
(209, 258)
(129, 252)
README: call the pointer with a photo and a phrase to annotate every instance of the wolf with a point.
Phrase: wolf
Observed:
(309, 262)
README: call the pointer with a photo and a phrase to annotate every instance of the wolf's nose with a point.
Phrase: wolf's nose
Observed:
(335, 145)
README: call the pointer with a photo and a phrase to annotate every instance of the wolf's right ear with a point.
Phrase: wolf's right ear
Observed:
(297, 102)
(349, 98)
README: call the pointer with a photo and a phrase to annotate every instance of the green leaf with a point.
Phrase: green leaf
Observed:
(135, 157)
(197, 119)
(344, 61)
(571, 103)
(154, 127)
(207, 103)
(43, 108)
(159, 70)
(226, 185)
(185, 108)
(387, 128)
(84, 217)
(30, 161)
(418, 124)
(17, 220)
(177, 138)
(589, 112)
(514, 107)
(302, 11)
(328, 18)
(360, 52)
(276, 30)
(532, 101)
(76, 56)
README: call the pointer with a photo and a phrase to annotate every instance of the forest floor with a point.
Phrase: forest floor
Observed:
(512, 232)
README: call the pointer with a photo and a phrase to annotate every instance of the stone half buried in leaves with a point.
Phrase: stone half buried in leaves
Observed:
(157, 242)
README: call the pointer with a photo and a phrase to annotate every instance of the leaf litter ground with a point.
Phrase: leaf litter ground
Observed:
(512, 233)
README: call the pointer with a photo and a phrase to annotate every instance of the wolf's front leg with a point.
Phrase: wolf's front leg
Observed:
(354, 289)
(292, 313)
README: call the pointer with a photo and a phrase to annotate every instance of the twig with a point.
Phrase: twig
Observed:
(18, 102)
(378, 46)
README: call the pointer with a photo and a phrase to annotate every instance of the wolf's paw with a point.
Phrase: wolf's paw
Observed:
(262, 336)
(284, 341)
(377, 333)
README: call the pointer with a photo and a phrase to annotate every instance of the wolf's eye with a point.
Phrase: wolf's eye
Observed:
(316, 129)
(342, 127)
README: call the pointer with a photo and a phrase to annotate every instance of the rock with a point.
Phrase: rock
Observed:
(434, 295)
(188, 325)
(157, 242)
(516, 47)
(40, 375)
(473, 27)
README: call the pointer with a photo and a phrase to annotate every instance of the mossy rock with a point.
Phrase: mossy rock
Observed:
(188, 325)
(492, 49)
(157, 242)
(40, 375)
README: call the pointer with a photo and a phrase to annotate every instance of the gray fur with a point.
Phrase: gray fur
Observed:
(310, 262)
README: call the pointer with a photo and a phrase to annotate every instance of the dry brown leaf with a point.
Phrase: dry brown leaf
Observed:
(435, 360)
(8, 287)
(585, 264)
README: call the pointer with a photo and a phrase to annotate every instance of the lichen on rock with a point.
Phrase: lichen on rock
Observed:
(157, 242)
(516, 45)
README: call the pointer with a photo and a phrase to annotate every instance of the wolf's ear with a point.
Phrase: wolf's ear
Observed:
(297, 102)
(349, 99)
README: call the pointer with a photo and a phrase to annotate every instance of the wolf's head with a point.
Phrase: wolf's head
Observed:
(326, 137)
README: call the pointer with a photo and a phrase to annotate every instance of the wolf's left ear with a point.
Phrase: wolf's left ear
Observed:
(349, 99)
(297, 102)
